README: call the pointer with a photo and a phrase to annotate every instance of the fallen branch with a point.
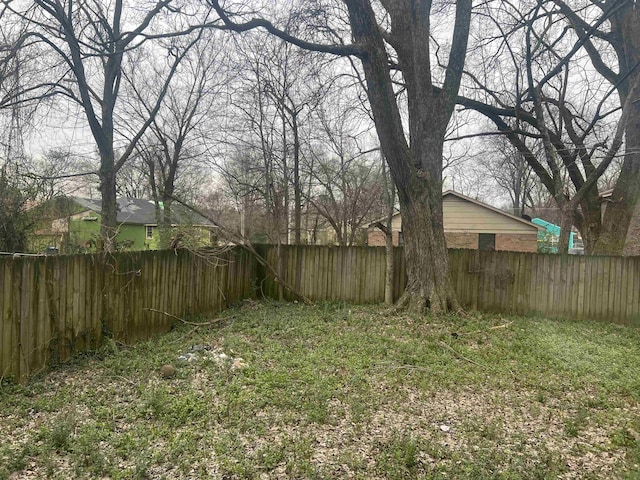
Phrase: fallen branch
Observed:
(389, 366)
(460, 356)
(496, 327)
(186, 322)
(504, 325)
(246, 245)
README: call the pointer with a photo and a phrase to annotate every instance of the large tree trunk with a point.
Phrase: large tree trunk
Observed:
(426, 256)
(416, 167)
(390, 194)
(589, 220)
(390, 265)
(415, 160)
(109, 212)
(566, 222)
(626, 193)
(626, 25)
(164, 225)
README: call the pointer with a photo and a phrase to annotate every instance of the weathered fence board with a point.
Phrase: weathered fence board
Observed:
(55, 306)
(575, 287)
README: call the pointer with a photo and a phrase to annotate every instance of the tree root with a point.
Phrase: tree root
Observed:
(419, 304)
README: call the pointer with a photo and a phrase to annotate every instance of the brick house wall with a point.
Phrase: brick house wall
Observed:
(512, 242)
(375, 238)
(469, 223)
(517, 242)
(461, 240)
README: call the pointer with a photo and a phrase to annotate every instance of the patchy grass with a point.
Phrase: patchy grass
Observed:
(335, 391)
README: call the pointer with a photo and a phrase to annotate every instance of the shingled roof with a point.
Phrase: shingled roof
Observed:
(142, 212)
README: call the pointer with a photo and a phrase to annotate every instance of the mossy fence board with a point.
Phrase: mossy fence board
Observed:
(566, 286)
(55, 306)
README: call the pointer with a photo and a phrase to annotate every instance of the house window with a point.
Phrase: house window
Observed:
(149, 229)
(486, 241)
(213, 237)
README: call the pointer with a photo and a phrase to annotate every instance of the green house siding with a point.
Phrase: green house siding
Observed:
(132, 237)
(84, 234)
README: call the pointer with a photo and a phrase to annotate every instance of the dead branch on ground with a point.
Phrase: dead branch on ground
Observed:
(186, 322)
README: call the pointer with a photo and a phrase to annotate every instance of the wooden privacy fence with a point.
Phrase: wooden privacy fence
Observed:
(350, 274)
(53, 307)
(568, 286)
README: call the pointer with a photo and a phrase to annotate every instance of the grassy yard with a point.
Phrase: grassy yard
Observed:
(335, 391)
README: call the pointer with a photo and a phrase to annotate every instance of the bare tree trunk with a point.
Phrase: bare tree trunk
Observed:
(429, 286)
(165, 230)
(390, 193)
(624, 37)
(416, 169)
(626, 193)
(109, 212)
(566, 221)
(285, 181)
(391, 268)
(591, 226)
(280, 260)
(297, 188)
(414, 157)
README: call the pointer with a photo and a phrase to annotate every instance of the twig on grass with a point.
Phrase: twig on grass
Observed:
(459, 355)
(131, 382)
(186, 322)
(504, 325)
(495, 327)
(403, 367)
(462, 357)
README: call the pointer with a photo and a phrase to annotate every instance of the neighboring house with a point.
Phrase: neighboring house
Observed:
(549, 237)
(78, 229)
(469, 223)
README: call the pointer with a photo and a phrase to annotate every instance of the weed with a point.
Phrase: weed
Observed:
(575, 423)
(58, 434)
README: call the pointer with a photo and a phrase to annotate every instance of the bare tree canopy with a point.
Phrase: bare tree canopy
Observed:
(398, 34)
(560, 110)
(91, 42)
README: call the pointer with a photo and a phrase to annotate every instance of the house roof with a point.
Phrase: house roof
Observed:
(142, 212)
(476, 202)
